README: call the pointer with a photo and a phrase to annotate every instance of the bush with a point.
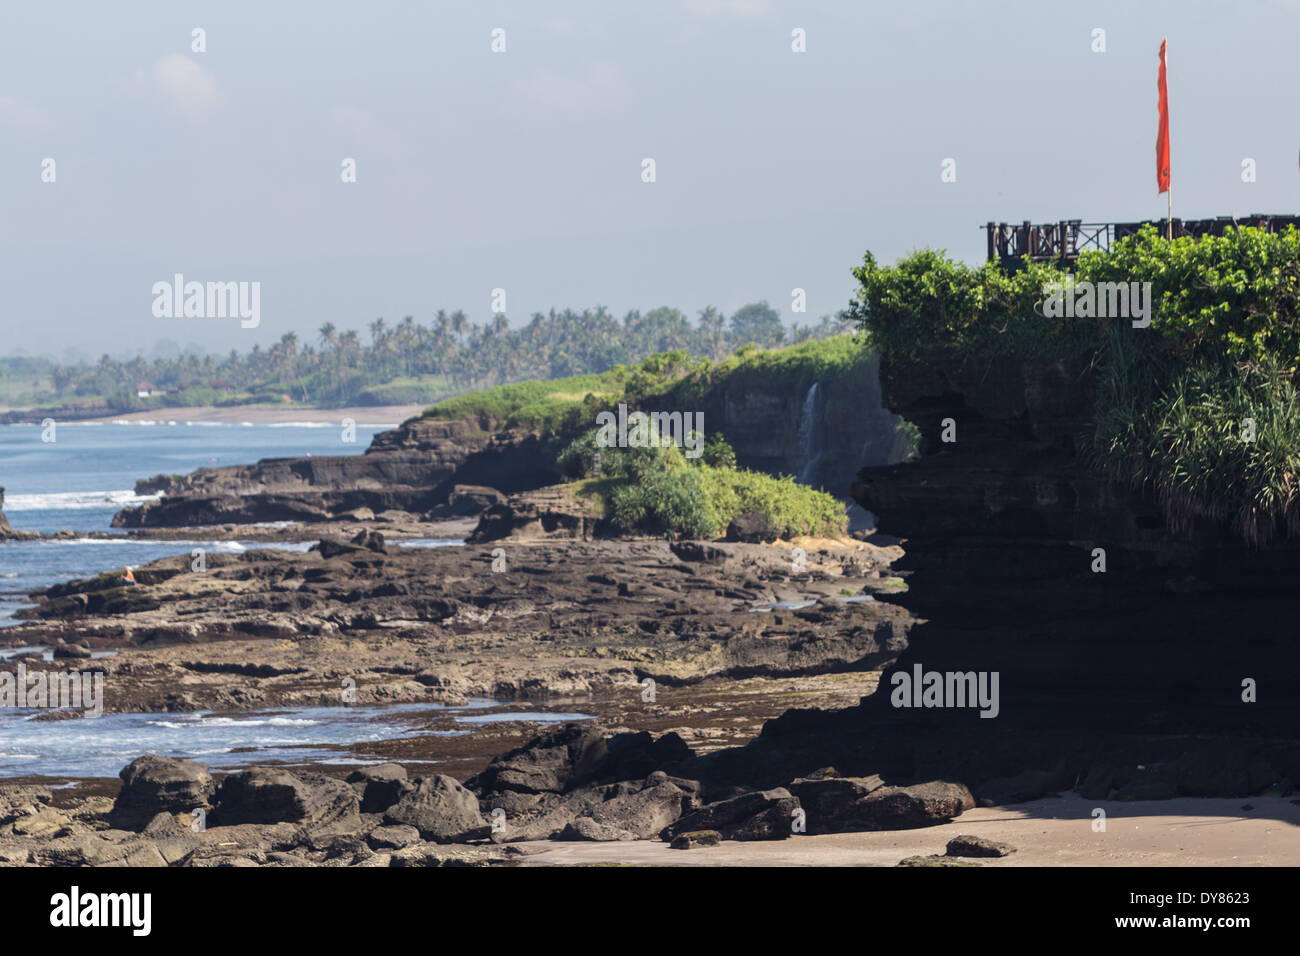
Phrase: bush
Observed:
(658, 490)
(1168, 411)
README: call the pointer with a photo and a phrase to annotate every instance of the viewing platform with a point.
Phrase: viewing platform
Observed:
(1063, 241)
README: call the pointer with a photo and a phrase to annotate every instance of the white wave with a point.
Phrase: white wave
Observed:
(75, 500)
(236, 722)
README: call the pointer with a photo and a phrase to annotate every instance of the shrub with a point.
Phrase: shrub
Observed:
(1168, 410)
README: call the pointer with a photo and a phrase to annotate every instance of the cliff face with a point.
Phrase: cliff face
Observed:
(412, 468)
(1000, 528)
(1122, 684)
(821, 432)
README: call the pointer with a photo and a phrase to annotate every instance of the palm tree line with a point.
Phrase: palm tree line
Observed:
(410, 361)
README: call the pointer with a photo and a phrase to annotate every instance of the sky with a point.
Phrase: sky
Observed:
(523, 170)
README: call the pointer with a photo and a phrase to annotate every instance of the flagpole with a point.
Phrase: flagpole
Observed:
(1171, 179)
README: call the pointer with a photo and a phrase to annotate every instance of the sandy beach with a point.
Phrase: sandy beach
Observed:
(1058, 832)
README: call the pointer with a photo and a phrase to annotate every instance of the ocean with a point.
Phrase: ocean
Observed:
(78, 482)
(88, 473)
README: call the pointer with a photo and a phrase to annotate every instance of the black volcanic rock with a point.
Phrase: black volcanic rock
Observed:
(152, 784)
(264, 796)
(752, 526)
(759, 815)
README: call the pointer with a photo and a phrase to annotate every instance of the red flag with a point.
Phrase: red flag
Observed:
(1162, 135)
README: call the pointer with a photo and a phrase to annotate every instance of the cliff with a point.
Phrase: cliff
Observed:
(413, 468)
(1126, 683)
(812, 411)
(820, 429)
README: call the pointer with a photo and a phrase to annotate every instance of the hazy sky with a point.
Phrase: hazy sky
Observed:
(523, 170)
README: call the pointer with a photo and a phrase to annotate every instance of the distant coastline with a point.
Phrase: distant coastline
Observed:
(229, 414)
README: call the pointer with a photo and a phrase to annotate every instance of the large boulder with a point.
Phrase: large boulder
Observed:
(276, 796)
(572, 757)
(441, 809)
(752, 526)
(380, 787)
(836, 804)
(632, 816)
(758, 815)
(152, 784)
(919, 805)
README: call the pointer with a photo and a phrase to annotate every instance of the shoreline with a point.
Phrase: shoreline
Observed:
(363, 415)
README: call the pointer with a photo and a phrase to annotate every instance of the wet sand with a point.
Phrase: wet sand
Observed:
(1182, 832)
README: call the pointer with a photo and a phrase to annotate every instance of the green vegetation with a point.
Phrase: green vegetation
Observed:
(408, 362)
(673, 378)
(1175, 403)
(658, 490)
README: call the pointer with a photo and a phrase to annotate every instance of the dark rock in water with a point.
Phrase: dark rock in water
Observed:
(753, 527)
(6, 532)
(276, 796)
(152, 785)
(381, 786)
(966, 845)
(440, 808)
(332, 547)
(76, 651)
(695, 839)
(760, 815)
(370, 540)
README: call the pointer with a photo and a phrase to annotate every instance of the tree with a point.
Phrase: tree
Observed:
(759, 323)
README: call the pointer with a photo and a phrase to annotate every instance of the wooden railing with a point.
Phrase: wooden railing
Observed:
(1064, 240)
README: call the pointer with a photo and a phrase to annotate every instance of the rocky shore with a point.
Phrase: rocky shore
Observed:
(574, 783)
(742, 688)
